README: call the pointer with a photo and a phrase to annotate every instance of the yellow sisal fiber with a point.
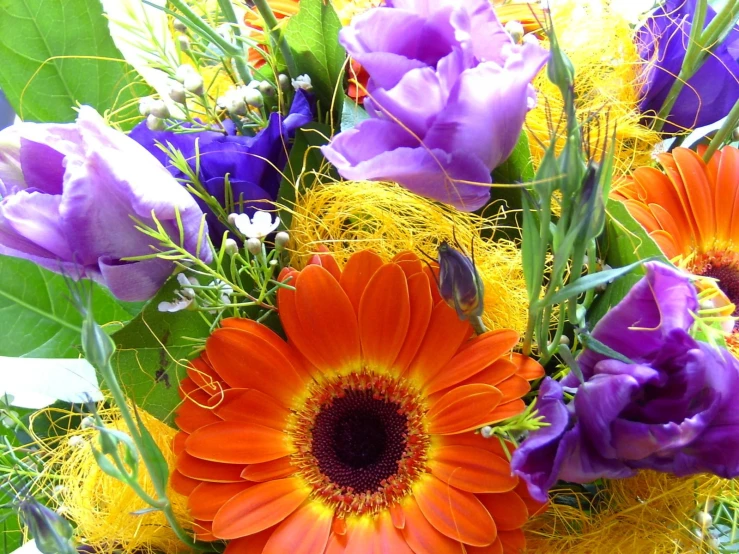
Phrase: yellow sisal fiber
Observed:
(103, 507)
(650, 513)
(600, 44)
(356, 215)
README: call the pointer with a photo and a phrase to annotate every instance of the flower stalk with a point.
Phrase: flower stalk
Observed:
(270, 22)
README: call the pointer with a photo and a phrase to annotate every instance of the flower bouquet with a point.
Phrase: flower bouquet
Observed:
(369, 276)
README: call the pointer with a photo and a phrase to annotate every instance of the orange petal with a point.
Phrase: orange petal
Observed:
(643, 215)
(495, 548)
(259, 508)
(389, 538)
(237, 442)
(513, 387)
(726, 195)
(475, 440)
(191, 416)
(421, 536)
(178, 443)
(204, 376)
(266, 471)
(397, 515)
(472, 469)
(252, 406)
(660, 190)
(336, 544)
(498, 371)
(445, 334)
(203, 531)
(433, 274)
(463, 409)
(528, 368)
(505, 411)
(384, 314)
(327, 319)
(306, 531)
(700, 196)
(680, 190)
(514, 542)
(458, 515)
(534, 507)
(190, 390)
(208, 498)
(181, 484)
(421, 304)
(477, 354)
(408, 262)
(507, 509)
(679, 237)
(325, 260)
(195, 468)
(358, 271)
(247, 361)
(251, 544)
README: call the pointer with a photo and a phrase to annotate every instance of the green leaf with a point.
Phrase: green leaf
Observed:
(352, 114)
(56, 54)
(313, 37)
(518, 168)
(11, 536)
(155, 463)
(305, 160)
(37, 318)
(623, 243)
(152, 351)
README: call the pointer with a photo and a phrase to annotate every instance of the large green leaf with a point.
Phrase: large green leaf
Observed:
(11, 536)
(37, 319)
(152, 351)
(56, 53)
(623, 243)
(313, 38)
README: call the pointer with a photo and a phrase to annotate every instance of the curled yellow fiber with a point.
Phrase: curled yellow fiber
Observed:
(600, 44)
(356, 215)
(650, 513)
(105, 509)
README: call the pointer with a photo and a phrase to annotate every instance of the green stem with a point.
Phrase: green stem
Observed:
(199, 24)
(239, 61)
(721, 24)
(270, 21)
(732, 120)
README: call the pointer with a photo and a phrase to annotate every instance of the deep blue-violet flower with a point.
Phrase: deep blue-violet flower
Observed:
(460, 284)
(252, 165)
(670, 407)
(69, 192)
(447, 97)
(711, 93)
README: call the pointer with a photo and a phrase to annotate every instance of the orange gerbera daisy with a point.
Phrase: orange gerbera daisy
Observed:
(691, 210)
(355, 435)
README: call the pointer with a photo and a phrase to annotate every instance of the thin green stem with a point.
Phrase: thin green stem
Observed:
(189, 16)
(731, 123)
(270, 21)
(228, 12)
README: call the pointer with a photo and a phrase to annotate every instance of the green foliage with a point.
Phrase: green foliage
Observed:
(11, 536)
(56, 54)
(38, 319)
(151, 354)
(305, 159)
(313, 38)
(623, 243)
(352, 114)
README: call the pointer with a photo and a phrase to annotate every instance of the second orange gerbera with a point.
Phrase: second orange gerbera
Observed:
(355, 435)
(691, 210)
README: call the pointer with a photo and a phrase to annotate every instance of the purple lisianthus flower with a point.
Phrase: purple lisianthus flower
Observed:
(669, 408)
(253, 165)
(447, 96)
(69, 194)
(711, 93)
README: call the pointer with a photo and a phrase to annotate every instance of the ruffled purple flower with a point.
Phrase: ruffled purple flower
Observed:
(253, 165)
(711, 93)
(447, 96)
(69, 194)
(670, 408)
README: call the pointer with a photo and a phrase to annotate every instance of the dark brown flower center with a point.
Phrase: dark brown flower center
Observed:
(358, 440)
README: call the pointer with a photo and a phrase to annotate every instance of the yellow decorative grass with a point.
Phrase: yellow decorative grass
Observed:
(600, 44)
(650, 513)
(103, 507)
(356, 215)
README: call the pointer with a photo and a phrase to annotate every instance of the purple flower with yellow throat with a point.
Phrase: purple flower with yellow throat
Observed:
(447, 96)
(667, 404)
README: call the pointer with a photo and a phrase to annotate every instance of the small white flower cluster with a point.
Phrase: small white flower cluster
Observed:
(237, 100)
(255, 229)
(302, 82)
(155, 111)
(190, 79)
(186, 296)
(186, 79)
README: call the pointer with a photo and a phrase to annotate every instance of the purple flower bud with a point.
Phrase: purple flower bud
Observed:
(460, 284)
(71, 193)
(51, 532)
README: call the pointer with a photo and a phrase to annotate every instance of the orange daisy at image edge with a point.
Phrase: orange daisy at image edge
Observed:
(357, 434)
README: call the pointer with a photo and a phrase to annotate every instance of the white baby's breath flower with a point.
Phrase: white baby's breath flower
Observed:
(258, 227)
(183, 297)
(304, 82)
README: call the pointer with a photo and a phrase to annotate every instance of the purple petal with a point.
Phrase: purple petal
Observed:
(31, 224)
(43, 166)
(134, 281)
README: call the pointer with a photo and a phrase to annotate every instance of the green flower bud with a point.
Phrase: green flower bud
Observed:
(51, 532)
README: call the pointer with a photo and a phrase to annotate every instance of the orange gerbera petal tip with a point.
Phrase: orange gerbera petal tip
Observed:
(354, 435)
